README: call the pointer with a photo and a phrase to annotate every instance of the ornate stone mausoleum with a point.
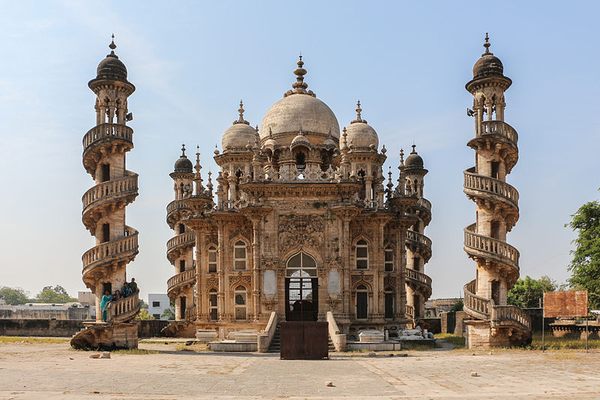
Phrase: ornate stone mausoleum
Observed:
(300, 221)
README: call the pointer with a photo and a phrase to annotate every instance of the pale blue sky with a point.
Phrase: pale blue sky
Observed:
(192, 61)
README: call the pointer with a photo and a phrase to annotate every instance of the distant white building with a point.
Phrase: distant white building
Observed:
(157, 304)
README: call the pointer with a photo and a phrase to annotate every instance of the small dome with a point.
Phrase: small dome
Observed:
(111, 67)
(183, 164)
(488, 64)
(300, 140)
(414, 160)
(240, 134)
(360, 134)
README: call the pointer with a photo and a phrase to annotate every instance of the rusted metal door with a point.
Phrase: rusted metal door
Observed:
(304, 340)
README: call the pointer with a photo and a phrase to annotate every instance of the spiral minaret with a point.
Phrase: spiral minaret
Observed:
(418, 246)
(104, 157)
(493, 323)
(180, 248)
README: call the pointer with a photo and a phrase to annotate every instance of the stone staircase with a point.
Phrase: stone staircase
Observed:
(275, 346)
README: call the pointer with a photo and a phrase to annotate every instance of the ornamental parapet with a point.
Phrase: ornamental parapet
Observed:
(179, 280)
(481, 246)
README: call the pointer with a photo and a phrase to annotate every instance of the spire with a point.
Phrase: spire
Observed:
(300, 72)
(299, 86)
(209, 185)
(401, 156)
(345, 138)
(198, 177)
(487, 44)
(112, 46)
(241, 119)
(390, 185)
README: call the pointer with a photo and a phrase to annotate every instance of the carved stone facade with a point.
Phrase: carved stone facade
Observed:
(300, 224)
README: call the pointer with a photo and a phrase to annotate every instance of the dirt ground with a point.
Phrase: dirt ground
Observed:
(54, 371)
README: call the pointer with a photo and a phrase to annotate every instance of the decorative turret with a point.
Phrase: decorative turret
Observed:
(418, 246)
(494, 322)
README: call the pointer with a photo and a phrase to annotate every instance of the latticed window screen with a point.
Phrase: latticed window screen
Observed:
(389, 259)
(212, 259)
(239, 255)
(240, 303)
(362, 255)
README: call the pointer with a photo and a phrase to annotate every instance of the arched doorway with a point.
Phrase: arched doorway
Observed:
(301, 288)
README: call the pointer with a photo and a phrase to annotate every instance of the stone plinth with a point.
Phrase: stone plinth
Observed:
(206, 335)
(371, 336)
(103, 336)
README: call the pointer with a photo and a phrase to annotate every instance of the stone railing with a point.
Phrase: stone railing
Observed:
(487, 184)
(180, 279)
(498, 128)
(111, 250)
(104, 131)
(418, 277)
(124, 309)
(493, 248)
(338, 338)
(123, 186)
(424, 203)
(418, 239)
(474, 305)
(185, 239)
(511, 313)
(265, 337)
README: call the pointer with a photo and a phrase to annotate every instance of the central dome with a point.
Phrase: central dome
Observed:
(299, 110)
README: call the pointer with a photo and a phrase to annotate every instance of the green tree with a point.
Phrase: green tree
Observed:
(585, 265)
(144, 315)
(13, 296)
(168, 314)
(527, 292)
(458, 306)
(56, 294)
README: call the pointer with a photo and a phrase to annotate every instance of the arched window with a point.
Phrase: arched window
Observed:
(388, 262)
(212, 259)
(212, 304)
(301, 265)
(240, 303)
(362, 295)
(362, 254)
(181, 228)
(239, 255)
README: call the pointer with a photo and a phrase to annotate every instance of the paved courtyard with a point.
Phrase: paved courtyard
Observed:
(53, 371)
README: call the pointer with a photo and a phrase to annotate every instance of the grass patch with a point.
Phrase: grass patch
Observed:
(136, 352)
(456, 341)
(194, 348)
(556, 343)
(33, 340)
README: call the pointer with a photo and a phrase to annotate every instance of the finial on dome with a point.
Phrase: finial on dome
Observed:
(183, 150)
(358, 114)
(487, 44)
(300, 85)
(401, 156)
(256, 129)
(112, 44)
(414, 149)
(241, 119)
